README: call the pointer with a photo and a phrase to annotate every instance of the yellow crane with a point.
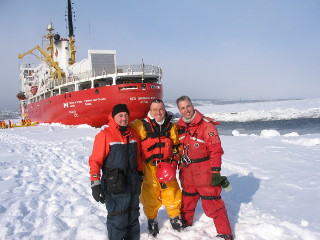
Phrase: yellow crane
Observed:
(58, 73)
(48, 57)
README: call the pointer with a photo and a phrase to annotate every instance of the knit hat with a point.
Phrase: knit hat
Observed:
(119, 108)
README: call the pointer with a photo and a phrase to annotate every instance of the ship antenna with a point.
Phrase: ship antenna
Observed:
(70, 23)
(72, 48)
(142, 65)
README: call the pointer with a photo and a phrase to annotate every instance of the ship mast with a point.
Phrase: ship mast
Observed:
(72, 47)
(49, 36)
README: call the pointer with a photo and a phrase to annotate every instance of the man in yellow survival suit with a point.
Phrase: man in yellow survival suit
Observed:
(159, 147)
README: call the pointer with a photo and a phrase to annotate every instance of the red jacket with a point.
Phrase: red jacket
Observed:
(109, 150)
(200, 140)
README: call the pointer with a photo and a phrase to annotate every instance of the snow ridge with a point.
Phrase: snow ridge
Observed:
(45, 188)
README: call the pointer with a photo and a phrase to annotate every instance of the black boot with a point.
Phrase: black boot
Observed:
(153, 227)
(176, 223)
(185, 224)
(225, 236)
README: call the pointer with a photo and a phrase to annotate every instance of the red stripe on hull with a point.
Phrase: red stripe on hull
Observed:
(92, 106)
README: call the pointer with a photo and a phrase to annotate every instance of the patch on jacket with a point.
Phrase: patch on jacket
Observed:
(211, 134)
(196, 145)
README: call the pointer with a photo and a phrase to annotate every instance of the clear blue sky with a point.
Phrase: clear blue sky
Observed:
(248, 49)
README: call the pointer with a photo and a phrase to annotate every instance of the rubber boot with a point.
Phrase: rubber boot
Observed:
(176, 223)
(185, 224)
(153, 227)
(225, 236)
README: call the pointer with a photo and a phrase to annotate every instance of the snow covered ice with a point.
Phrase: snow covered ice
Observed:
(45, 188)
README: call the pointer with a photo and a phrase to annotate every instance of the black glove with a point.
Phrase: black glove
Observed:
(225, 182)
(140, 175)
(97, 193)
(216, 179)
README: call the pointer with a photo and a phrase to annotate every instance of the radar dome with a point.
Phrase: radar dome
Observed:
(56, 37)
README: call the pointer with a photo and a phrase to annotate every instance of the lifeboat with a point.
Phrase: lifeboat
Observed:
(21, 96)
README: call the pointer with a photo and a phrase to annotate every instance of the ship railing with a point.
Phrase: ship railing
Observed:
(146, 69)
(73, 78)
(28, 66)
(127, 69)
(80, 76)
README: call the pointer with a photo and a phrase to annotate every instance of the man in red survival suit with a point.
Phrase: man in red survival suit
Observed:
(116, 151)
(159, 144)
(201, 153)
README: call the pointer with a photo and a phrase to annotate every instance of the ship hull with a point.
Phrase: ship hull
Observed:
(93, 106)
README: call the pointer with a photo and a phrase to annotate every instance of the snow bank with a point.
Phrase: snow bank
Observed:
(45, 188)
(259, 111)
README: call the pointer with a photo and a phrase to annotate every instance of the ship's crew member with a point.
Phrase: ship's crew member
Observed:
(116, 151)
(159, 150)
(3, 124)
(201, 153)
(28, 121)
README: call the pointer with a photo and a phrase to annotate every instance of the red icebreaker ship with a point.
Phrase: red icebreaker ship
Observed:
(61, 90)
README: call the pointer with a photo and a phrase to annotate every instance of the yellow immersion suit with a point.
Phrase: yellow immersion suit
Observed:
(154, 194)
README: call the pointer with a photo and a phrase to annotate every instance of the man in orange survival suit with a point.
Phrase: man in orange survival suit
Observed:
(116, 151)
(201, 153)
(159, 144)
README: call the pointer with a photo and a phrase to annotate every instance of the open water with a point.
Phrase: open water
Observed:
(301, 126)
